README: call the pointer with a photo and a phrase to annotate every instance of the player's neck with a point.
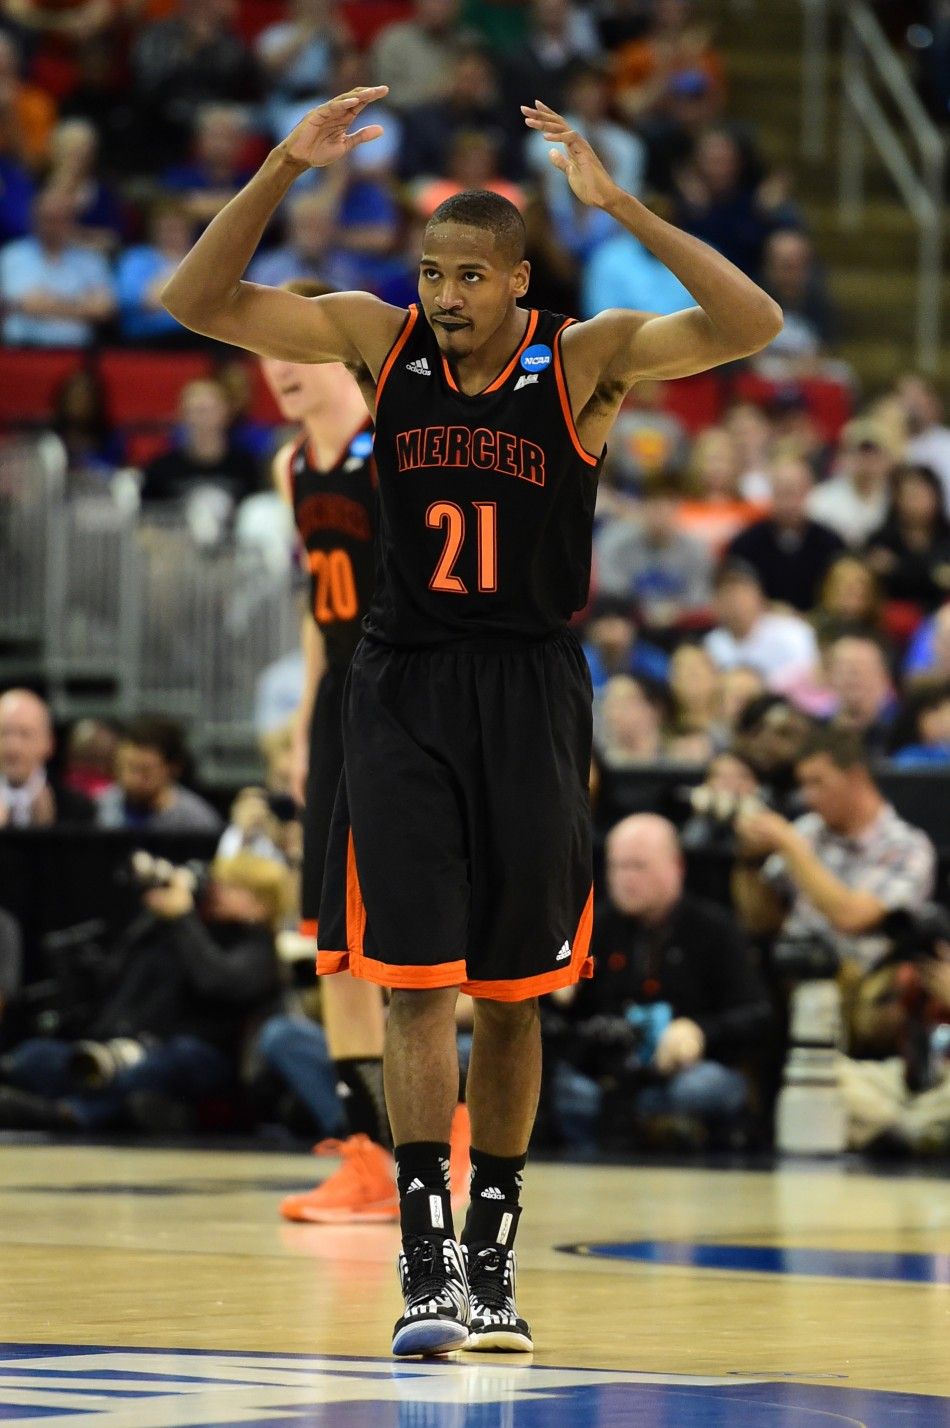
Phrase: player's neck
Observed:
(329, 430)
(474, 372)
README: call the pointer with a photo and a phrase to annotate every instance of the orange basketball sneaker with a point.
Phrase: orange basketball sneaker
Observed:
(363, 1189)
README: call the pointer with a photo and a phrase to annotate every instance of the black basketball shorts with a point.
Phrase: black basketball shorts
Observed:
(460, 851)
(323, 779)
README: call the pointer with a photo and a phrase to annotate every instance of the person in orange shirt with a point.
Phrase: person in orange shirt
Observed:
(718, 511)
(473, 163)
(27, 114)
(675, 45)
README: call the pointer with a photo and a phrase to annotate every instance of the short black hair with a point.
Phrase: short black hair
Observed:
(843, 747)
(480, 208)
(151, 731)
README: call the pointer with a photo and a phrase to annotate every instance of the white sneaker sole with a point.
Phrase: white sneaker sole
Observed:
(505, 1341)
(430, 1336)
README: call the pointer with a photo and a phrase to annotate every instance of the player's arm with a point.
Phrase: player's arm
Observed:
(207, 293)
(733, 317)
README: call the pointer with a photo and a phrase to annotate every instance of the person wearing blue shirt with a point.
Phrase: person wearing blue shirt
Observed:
(143, 270)
(54, 292)
(622, 273)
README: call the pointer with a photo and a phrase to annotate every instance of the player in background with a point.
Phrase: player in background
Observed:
(327, 477)
(465, 856)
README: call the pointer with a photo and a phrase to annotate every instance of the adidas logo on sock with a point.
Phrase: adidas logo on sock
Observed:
(564, 953)
(416, 1185)
(492, 1193)
(420, 368)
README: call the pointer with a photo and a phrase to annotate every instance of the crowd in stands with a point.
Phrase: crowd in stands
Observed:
(770, 603)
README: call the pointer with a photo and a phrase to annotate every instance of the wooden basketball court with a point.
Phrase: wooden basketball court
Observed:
(151, 1287)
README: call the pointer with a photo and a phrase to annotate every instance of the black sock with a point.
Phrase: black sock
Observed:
(422, 1175)
(363, 1097)
(494, 1209)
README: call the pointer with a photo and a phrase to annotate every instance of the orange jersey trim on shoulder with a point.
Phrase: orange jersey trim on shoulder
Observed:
(565, 398)
(412, 316)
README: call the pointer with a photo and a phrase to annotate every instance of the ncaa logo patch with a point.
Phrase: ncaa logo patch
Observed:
(536, 358)
(362, 444)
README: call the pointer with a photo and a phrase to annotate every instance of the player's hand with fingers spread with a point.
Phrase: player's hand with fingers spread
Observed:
(585, 173)
(323, 136)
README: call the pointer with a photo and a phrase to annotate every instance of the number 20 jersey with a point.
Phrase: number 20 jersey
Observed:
(486, 502)
(335, 513)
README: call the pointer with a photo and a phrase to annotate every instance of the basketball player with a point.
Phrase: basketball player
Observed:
(328, 479)
(460, 852)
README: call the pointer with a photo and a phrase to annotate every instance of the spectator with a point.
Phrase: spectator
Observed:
(217, 170)
(790, 275)
(89, 758)
(19, 191)
(849, 600)
(928, 436)
(27, 113)
(296, 57)
(854, 501)
(179, 65)
(929, 654)
(103, 96)
(560, 33)
(716, 201)
(718, 511)
(779, 646)
(472, 163)
(180, 992)
(676, 48)
(789, 552)
(612, 646)
(150, 760)
(665, 573)
(910, 552)
(753, 438)
(28, 796)
(794, 428)
(865, 703)
(62, 24)
(929, 712)
(736, 690)
(144, 269)
(414, 57)
(694, 687)
(691, 102)
(472, 105)
(770, 734)
(74, 173)
(55, 292)
(80, 418)
(837, 872)
(678, 969)
(620, 272)
(310, 250)
(631, 733)
(587, 110)
(204, 455)
(646, 441)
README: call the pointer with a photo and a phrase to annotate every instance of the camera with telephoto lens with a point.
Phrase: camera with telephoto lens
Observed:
(95, 1064)
(145, 872)
(712, 824)
(915, 932)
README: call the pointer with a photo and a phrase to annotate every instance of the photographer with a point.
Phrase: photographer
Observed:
(835, 874)
(183, 986)
(674, 1004)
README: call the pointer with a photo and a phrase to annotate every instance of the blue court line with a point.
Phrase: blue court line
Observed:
(769, 1259)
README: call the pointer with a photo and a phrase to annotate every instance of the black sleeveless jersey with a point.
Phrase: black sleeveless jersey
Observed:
(486, 503)
(335, 512)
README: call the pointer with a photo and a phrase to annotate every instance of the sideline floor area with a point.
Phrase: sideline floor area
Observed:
(144, 1288)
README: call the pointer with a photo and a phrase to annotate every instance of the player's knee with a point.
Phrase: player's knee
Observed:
(411, 1006)
(507, 1018)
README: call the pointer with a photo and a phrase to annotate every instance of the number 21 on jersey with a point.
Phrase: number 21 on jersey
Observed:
(453, 521)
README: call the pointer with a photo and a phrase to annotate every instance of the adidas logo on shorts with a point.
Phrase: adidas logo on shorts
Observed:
(420, 368)
(564, 954)
(416, 1185)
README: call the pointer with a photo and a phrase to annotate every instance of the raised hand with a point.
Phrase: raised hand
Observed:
(585, 173)
(322, 136)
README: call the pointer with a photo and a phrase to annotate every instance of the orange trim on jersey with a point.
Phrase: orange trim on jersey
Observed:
(330, 962)
(506, 371)
(412, 314)
(520, 989)
(566, 399)
(307, 927)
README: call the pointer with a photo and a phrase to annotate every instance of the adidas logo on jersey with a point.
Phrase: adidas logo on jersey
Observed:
(421, 367)
(527, 380)
(492, 1193)
(564, 954)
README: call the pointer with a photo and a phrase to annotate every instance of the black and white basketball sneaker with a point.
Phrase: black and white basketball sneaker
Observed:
(494, 1322)
(434, 1286)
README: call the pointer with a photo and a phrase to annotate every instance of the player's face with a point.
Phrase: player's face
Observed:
(301, 389)
(466, 288)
